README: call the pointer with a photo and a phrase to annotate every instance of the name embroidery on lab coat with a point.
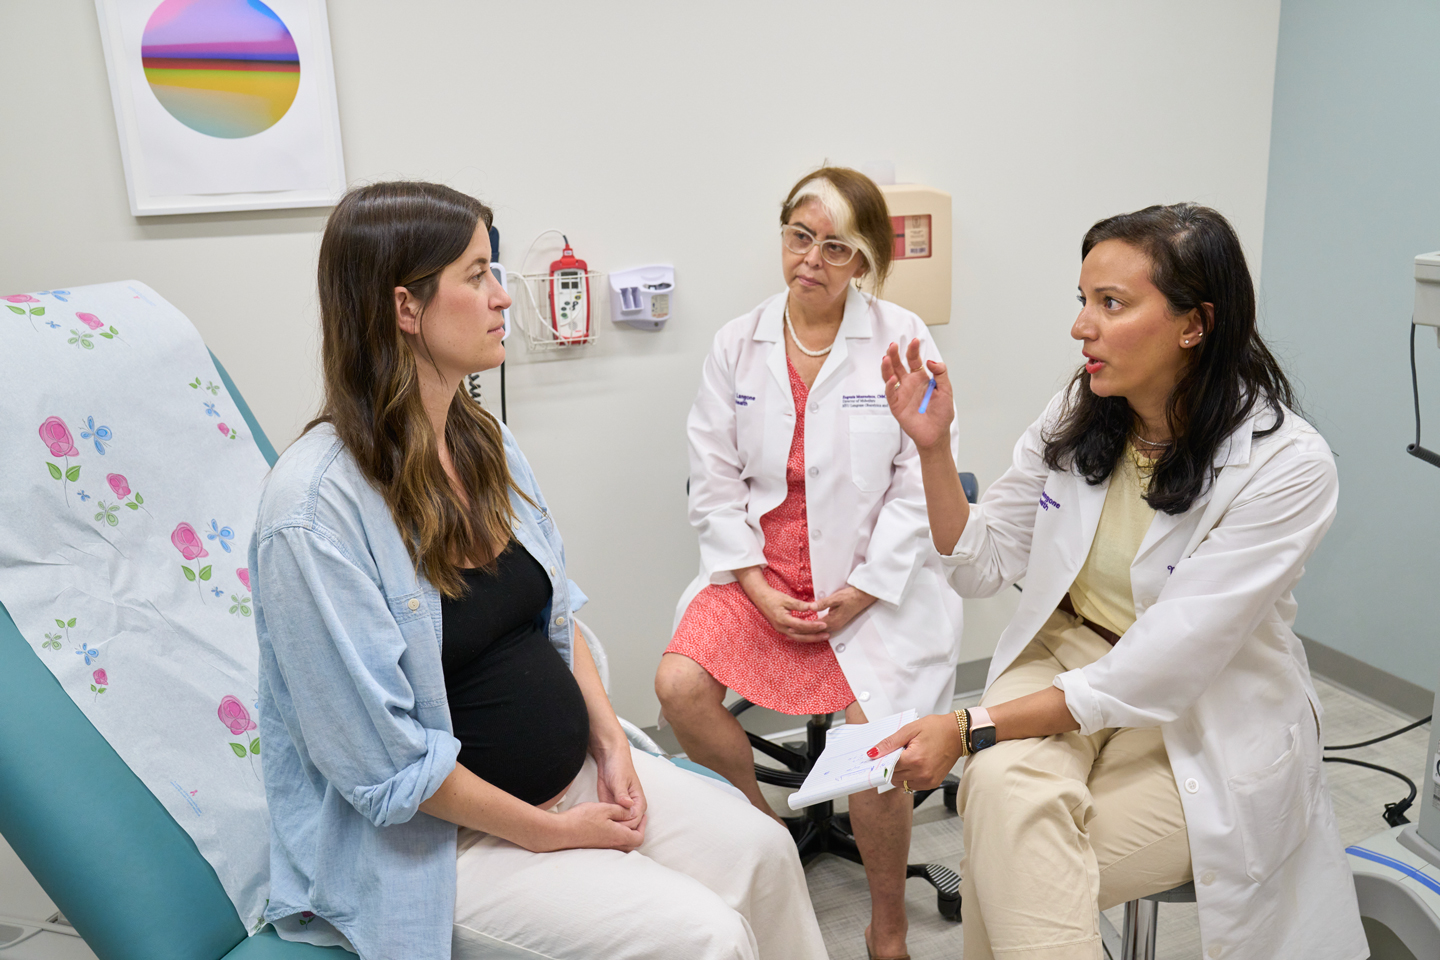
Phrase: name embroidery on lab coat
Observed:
(743, 399)
(863, 401)
(1047, 501)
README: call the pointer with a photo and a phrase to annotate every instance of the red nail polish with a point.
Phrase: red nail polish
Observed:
(872, 753)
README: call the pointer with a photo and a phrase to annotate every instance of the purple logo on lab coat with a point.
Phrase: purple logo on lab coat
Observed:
(1047, 501)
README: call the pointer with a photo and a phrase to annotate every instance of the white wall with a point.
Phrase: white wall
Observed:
(684, 125)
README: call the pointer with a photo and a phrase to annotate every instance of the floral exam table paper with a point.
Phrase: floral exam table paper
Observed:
(128, 489)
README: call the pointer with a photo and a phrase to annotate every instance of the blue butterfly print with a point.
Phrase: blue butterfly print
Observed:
(62, 295)
(222, 534)
(210, 410)
(52, 324)
(101, 435)
(216, 590)
(90, 654)
(83, 496)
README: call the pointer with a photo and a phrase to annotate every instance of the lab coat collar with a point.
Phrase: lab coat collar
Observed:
(856, 323)
(1233, 451)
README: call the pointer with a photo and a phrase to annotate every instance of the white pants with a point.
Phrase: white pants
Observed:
(715, 878)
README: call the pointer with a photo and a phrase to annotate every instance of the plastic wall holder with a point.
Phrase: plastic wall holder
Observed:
(642, 296)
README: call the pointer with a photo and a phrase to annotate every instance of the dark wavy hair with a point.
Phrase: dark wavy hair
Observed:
(1195, 258)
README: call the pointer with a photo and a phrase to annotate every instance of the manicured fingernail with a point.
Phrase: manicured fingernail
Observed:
(873, 752)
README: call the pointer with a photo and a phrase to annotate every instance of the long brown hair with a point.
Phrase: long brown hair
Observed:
(379, 237)
(1195, 258)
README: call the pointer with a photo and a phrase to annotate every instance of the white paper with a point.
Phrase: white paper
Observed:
(130, 487)
(843, 767)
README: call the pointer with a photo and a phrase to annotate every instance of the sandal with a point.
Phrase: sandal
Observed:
(871, 953)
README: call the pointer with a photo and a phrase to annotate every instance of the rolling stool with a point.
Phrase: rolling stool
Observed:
(1137, 940)
(819, 829)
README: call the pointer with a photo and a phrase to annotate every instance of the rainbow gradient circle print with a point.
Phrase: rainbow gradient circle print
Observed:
(225, 68)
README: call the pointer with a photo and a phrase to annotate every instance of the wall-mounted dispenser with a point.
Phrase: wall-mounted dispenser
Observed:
(642, 296)
(920, 272)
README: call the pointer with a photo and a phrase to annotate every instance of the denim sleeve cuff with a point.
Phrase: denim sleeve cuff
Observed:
(578, 598)
(1080, 697)
(399, 798)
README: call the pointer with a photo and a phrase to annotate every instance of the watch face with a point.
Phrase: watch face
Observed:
(981, 738)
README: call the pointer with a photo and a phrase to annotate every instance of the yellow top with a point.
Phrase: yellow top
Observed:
(1101, 592)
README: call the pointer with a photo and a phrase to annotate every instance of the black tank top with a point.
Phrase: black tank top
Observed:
(517, 711)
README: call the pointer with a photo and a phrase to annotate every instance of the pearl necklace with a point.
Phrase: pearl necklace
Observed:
(798, 345)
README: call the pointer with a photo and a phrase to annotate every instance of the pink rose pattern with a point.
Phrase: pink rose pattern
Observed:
(233, 714)
(19, 303)
(187, 541)
(100, 682)
(119, 484)
(55, 435)
(244, 574)
(90, 320)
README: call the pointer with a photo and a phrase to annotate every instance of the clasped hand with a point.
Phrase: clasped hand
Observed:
(617, 820)
(833, 613)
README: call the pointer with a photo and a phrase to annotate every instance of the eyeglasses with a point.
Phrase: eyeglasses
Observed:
(798, 240)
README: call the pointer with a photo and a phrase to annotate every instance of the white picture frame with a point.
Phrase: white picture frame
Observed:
(173, 168)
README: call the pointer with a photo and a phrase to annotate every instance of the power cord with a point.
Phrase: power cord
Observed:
(1414, 449)
(1394, 812)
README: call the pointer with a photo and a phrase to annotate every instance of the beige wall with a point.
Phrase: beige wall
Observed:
(664, 132)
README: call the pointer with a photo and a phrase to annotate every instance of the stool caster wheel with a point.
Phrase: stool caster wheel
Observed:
(949, 906)
(951, 787)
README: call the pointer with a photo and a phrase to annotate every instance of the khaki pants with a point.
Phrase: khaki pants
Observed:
(715, 879)
(1060, 827)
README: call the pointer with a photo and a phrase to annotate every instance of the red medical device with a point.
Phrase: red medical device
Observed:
(569, 297)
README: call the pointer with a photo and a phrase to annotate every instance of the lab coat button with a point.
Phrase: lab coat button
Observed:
(814, 471)
(1208, 877)
(839, 648)
(814, 534)
(1192, 785)
(863, 696)
(1216, 950)
(814, 405)
(559, 621)
(414, 603)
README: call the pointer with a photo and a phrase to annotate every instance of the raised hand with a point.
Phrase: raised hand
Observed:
(905, 383)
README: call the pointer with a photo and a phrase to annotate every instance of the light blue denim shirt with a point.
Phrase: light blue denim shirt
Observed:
(353, 714)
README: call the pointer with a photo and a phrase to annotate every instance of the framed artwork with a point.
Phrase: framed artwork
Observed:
(223, 104)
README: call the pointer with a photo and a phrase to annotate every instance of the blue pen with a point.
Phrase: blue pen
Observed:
(925, 400)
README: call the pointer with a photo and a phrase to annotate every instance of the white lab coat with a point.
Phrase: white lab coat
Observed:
(864, 498)
(1211, 660)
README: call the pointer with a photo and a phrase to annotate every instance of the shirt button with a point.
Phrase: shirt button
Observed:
(839, 648)
(414, 603)
(814, 534)
(1216, 950)
(814, 405)
(559, 621)
(1208, 877)
(553, 571)
(1193, 786)
(863, 695)
(813, 471)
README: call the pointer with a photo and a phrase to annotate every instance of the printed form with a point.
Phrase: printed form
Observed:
(843, 768)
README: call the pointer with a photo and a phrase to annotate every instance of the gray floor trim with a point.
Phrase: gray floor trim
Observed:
(1363, 680)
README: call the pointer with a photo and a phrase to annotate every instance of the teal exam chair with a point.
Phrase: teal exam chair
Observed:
(115, 862)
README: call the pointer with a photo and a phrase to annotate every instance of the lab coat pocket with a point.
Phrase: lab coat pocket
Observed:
(874, 441)
(1273, 807)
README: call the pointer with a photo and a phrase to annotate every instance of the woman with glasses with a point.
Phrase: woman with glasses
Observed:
(818, 591)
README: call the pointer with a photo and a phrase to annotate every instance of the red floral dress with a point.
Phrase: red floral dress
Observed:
(727, 634)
